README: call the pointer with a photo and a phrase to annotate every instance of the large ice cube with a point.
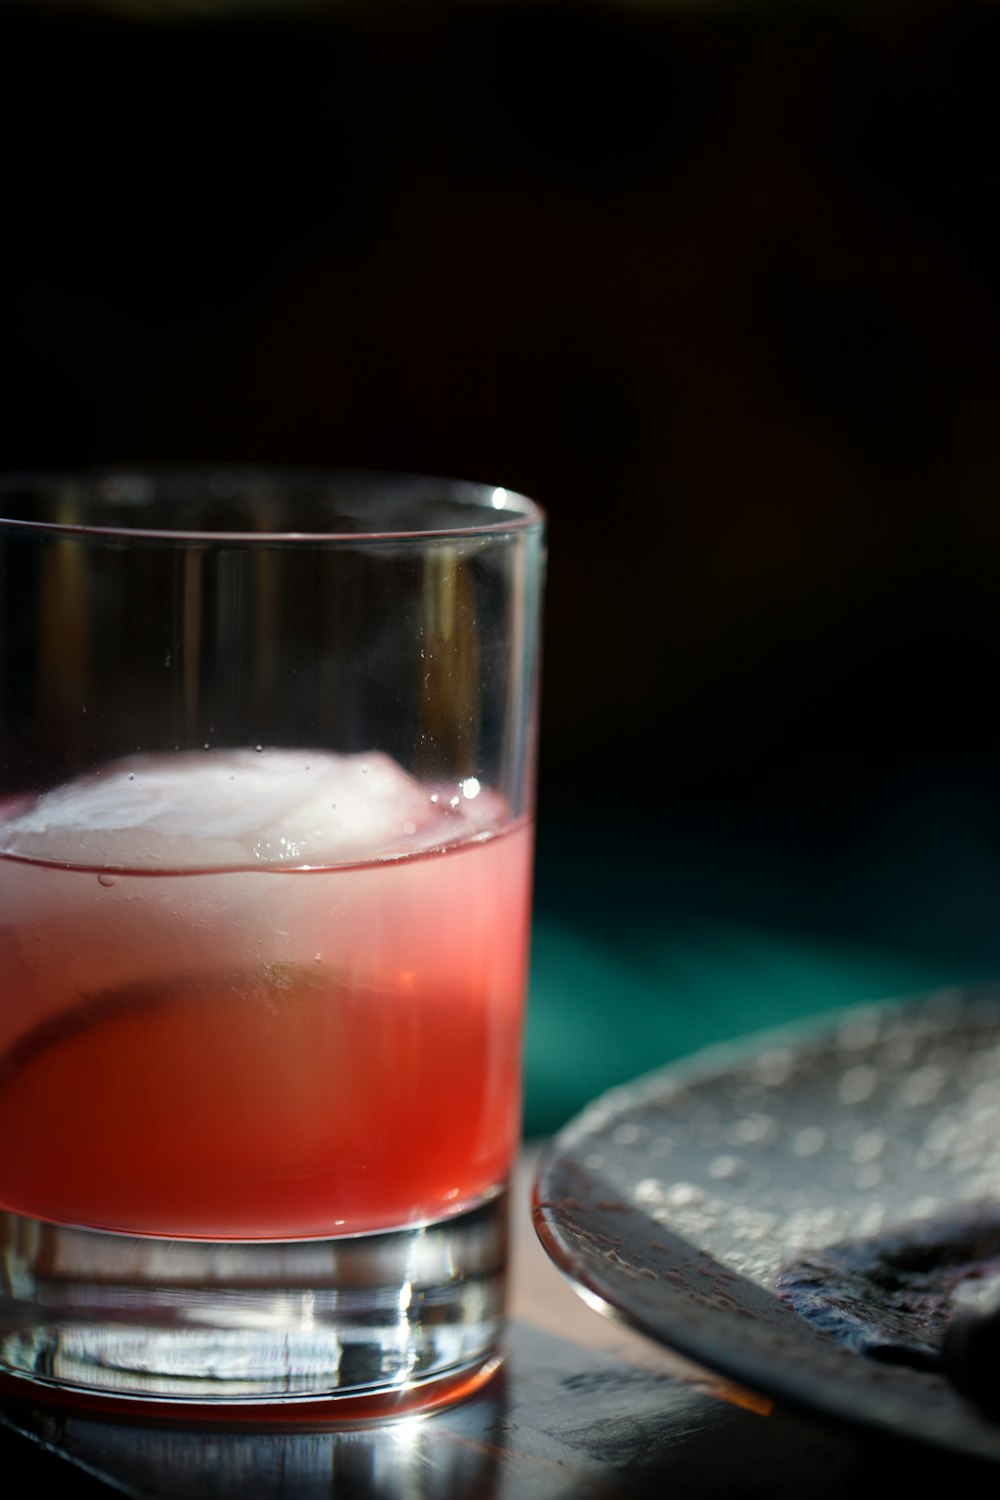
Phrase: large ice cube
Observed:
(243, 809)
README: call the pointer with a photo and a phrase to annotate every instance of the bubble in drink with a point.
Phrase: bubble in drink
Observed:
(295, 1011)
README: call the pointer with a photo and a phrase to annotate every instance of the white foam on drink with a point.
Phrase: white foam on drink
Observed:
(245, 809)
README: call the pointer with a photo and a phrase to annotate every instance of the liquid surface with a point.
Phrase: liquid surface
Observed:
(202, 1038)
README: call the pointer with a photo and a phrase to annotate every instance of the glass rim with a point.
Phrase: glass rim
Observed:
(498, 509)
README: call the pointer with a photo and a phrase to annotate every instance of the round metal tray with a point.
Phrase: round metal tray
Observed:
(804, 1211)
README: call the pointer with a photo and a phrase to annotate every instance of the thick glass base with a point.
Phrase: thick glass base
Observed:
(370, 1325)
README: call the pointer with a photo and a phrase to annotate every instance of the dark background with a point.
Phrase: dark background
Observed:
(720, 286)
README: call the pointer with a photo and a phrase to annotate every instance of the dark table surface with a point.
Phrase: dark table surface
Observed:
(581, 1407)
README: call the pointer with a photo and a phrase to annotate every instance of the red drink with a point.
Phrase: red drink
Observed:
(261, 1009)
(285, 1002)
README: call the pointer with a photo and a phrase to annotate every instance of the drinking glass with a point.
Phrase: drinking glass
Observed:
(267, 747)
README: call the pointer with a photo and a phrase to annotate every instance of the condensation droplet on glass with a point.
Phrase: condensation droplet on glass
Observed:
(107, 880)
(259, 749)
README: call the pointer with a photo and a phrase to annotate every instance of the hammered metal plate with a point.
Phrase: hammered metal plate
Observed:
(802, 1212)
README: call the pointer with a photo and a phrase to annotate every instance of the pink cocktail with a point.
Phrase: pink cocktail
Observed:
(267, 749)
(227, 1033)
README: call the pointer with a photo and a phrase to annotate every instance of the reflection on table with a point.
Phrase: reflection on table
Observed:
(581, 1407)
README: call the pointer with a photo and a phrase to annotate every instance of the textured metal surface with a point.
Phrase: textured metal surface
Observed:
(802, 1212)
